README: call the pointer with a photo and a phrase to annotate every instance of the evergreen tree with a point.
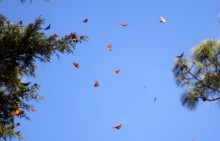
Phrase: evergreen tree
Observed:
(199, 75)
(20, 47)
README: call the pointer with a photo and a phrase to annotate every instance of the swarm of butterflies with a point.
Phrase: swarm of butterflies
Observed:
(109, 48)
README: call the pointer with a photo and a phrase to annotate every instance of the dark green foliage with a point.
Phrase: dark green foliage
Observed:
(199, 75)
(20, 47)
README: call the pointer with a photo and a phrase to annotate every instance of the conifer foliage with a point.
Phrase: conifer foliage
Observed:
(20, 47)
(199, 75)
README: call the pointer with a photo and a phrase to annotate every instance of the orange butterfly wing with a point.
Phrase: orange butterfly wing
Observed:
(124, 25)
(17, 112)
(117, 71)
(76, 65)
(109, 47)
(96, 84)
(33, 110)
(118, 126)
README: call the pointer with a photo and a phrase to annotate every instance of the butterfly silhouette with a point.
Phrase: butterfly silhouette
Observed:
(124, 25)
(85, 21)
(48, 27)
(180, 55)
(33, 110)
(109, 47)
(118, 126)
(96, 84)
(155, 99)
(76, 65)
(117, 71)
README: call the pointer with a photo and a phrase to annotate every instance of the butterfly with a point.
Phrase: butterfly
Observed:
(162, 20)
(180, 55)
(74, 37)
(117, 71)
(109, 47)
(85, 21)
(48, 27)
(181, 79)
(96, 84)
(155, 99)
(76, 65)
(124, 25)
(118, 126)
(82, 37)
(33, 110)
(17, 112)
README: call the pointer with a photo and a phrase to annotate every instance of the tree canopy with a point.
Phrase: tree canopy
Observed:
(20, 47)
(199, 75)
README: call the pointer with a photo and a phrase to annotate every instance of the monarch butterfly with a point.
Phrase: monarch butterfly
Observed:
(17, 112)
(76, 65)
(33, 110)
(96, 84)
(162, 20)
(82, 37)
(181, 79)
(109, 47)
(124, 25)
(117, 71)
(85, 21)
(118, 126)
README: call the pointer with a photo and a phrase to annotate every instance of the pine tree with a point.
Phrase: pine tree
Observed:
(20, 47)
(199, 75)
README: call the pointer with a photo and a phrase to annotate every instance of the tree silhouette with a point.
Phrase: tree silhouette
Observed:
(20, 47)
(199, 75)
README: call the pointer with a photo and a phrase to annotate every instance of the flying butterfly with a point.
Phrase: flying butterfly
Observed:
(124, 25)
(181, 79)
(96, 84)
(33, 110)
(109, 47)
(17, 112)
(85, 21)
(162, 20)
(155, 99)
(117, 71)
(76, 65)
(118, 126)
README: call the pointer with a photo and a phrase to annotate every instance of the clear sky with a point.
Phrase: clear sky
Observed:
(144, 51)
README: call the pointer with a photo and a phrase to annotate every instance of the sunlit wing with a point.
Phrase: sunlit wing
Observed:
(117, 71)
(17, 112)
(118, 126)
(76, 65)
(162, 20)
(96, 84)
(109, 47)
(33, 110)
(124, 25)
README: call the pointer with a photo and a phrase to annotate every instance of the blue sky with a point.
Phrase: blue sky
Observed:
(144, 51)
